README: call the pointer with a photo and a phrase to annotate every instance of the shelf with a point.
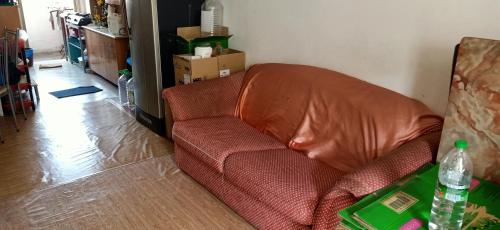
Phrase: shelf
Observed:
(75, 40)
(76, 46)
(26, 102)
(73, 26)
(75, 37)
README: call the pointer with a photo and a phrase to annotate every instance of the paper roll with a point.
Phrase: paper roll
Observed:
(203, 52)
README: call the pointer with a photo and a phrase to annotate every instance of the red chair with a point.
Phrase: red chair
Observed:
(26, 82)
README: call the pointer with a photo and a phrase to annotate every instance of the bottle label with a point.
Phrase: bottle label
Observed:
(451, 194)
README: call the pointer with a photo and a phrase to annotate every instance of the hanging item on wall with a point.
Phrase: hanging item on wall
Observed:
(51, 19)
(81, 6)
(56, 8)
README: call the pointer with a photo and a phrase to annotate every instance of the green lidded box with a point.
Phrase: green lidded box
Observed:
(188, 38)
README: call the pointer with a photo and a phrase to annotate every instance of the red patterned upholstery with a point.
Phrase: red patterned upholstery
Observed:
(269, 185)
(208, 98)
(254, 211)
(384, 171)
(326, 216)
(378, 174)
(211, 140)
(286, 180)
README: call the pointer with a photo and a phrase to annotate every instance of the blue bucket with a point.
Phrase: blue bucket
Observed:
(28, 52)
(29, 56)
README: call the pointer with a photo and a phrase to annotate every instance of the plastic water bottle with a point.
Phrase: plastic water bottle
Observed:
(212, 17)
(122, 86)
(131, 93)
(452, 189)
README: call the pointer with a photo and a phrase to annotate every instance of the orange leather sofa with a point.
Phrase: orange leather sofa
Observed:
(288, 146)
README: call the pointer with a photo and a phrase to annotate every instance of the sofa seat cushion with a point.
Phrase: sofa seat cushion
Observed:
(211, 140)
(286, 180)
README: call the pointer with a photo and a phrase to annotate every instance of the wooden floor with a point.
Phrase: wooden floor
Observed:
(82, 163)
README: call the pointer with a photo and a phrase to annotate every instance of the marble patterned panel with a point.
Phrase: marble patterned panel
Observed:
(473, 111)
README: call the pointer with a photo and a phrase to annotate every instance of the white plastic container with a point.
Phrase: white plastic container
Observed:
(131, 93)
(122, 88)
(212, 17)
(203, 52)
(115, 24)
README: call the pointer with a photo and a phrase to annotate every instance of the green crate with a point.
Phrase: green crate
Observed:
(187, 47)
(75, 51)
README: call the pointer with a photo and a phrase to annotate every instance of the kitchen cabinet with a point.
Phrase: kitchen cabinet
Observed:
(107, 53)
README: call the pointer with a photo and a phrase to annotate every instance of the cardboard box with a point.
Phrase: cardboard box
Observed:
(189, 69)
(188, 38)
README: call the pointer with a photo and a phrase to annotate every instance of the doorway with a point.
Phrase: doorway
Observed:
(44, 27)
(47, 52)
(59, 38)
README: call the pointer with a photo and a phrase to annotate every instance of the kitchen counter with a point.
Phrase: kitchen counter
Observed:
(103, 31)
(107, 53)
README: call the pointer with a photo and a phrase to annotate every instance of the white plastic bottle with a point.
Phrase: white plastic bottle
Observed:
(122, 86)
(212, 13)
(452, 189)
(131, 93)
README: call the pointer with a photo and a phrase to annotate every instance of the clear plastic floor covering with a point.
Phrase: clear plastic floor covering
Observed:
(92, 166)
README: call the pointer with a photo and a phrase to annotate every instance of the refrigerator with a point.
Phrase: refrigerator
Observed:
(151, 24)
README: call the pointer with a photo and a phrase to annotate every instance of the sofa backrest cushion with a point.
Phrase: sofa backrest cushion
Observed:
(340, 120)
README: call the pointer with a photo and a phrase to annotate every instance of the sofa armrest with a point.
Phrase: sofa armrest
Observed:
(376, 175)
(210, 98)
(326, 214)
(386, 170)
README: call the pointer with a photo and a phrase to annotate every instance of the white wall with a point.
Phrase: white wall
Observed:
(405, 46)
(42, 37)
